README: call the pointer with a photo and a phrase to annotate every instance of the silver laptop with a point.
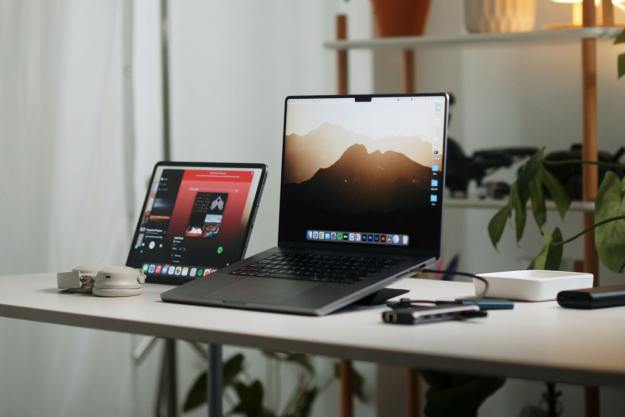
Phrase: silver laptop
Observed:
(360, 205)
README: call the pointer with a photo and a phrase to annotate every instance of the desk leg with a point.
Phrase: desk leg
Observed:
(215, 380)
(347, 406)
(413, 394)
(167, 400)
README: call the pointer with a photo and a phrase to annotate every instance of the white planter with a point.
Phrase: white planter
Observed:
(499, 15)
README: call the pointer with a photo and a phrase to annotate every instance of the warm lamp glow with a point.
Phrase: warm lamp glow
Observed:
(578, 14)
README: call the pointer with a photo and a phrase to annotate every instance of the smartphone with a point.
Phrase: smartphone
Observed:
(428, 314)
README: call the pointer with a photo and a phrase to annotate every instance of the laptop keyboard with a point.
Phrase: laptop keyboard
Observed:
(313, 267)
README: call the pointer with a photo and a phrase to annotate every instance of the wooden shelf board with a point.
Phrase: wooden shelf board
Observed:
(579, 206)
(553, 35)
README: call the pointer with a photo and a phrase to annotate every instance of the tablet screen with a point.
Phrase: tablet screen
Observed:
(195, 220)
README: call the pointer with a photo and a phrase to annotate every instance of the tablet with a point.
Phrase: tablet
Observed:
(196, 218)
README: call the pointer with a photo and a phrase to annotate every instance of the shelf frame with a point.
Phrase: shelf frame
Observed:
(587, 36)
(477, 39)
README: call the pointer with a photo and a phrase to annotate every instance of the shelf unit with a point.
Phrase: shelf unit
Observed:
(489, 203)
(587, 36)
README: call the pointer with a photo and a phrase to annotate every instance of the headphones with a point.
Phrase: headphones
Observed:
(102, 280)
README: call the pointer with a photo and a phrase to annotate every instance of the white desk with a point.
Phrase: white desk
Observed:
(534, 341)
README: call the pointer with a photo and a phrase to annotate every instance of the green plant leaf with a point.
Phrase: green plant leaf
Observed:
(527, 173)
(457, 395)
(300, 359)
(550, 255)
(251, 398)
(232, 368)
(520, 215)
(610, 238)
(557, 192)
(197, 395)
(621, 65)
(537, 197)
(620, 38)
(497, 225)
(304, 403)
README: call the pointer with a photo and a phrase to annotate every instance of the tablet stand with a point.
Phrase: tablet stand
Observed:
(378, 298)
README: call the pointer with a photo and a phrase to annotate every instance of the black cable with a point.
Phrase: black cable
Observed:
(463, 274)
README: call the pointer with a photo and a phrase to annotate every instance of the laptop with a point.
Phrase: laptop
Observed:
(196, 218)
(361, 202)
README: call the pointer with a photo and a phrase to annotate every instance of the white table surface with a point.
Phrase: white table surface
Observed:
(534, 341)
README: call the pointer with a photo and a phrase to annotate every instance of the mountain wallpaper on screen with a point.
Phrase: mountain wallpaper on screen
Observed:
(305, 154)
(363, 182)
(359, 189)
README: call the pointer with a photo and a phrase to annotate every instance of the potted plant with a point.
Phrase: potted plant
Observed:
(532, 181)
(400, 17)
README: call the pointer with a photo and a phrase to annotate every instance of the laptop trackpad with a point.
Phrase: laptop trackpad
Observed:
(261, 290)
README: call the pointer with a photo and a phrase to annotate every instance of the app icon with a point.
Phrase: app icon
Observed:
(192, 272)
(158, 269)
(376, 238)
(220, 249)
(396, 239)
(309, 234)
(315, 234)
(434, 183)
(151, 268)
(370, 237)
(436, 151)
(357, 237)
(185, 271)
(433, 198)
(339, 236)
(435, 168)
(352, 237)
(165, 269)
(322, 234)
(333, 235)
(327, 235)
(171, 270)
(200, 272)
(145, 267)
(178, 270)
(383, 238)
(208, 271)
(405, 239)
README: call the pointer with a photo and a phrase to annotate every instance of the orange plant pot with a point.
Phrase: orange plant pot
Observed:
(400, 17)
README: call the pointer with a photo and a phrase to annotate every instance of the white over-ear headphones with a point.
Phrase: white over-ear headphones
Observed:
(102, 280)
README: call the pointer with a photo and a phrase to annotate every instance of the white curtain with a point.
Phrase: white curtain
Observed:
(65, 195)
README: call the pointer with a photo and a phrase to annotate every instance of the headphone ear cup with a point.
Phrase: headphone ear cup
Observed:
(117, 292)
(118, 281)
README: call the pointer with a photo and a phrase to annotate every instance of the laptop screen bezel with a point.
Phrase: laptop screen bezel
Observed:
(350, 247)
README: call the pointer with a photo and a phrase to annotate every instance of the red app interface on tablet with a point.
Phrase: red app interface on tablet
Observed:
(195, 221)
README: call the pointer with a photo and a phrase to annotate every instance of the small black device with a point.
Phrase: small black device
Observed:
(590, 298)
(429, 314)
(196, 219)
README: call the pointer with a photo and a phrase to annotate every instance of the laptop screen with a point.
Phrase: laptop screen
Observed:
(364, 171)
(195, 219)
